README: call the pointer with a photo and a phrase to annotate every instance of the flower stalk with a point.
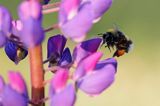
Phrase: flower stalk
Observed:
(37, 73)
(55, 26)
(51, 5)
(52, 10)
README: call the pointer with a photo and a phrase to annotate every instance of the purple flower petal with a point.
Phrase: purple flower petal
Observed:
(44, 1)
(85, 48)
(66, 97)
(56, 45)
(5, 21)
(58, 91)
(17, 83)
(29, 9)
(100, 7)
(79, 25)
(15, 52)
(68, 9)
(59, 81)
(32, 33)
(16, 27)
(105, 62)
(30, 13)
(100, 79)
(2, 83)
(13, 94)
(77, 17)
(5, 25)
(87, 65)
(66, 58)
(9, 97)
(55, 48)
(3, 39)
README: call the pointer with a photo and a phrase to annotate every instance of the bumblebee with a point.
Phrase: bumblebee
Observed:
(114, 38)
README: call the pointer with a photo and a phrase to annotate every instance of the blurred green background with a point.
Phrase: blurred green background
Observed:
(138, 79)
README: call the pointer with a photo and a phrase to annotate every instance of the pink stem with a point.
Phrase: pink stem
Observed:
(51, 5)
(55, 26)
(47, 11)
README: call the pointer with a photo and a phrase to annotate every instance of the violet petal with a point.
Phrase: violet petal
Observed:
(30, 13)
(56, 45)
(100, 7)
(100, 79)
(9, 97)
(59, 81)
(45, 1)
(16, 27)
(17, 83)
(3, 39)
(66, 97)
(66, 58)
(32, 33)
(2, 83)
(5, 25)
(85, 48)
(55, 48)
(105, 62)
(87, 65)
(15, 52)
(5, 21)
(79, 25)
(68, 9)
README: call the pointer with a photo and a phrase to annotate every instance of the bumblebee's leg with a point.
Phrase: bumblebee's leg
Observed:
(100, 34)
(112, 47)
(108, 47)
(115, 54)
(103, 42)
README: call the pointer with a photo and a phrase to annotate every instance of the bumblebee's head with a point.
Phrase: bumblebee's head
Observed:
(129, 46)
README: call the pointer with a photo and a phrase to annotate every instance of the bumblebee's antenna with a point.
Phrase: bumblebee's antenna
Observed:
(116, 27)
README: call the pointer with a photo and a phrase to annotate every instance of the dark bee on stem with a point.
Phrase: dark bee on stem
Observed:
(114, 38)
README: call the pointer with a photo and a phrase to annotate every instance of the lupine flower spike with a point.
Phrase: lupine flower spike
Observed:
(82, 68)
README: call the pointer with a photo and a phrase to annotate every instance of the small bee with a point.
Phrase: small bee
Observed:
(114, 38)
